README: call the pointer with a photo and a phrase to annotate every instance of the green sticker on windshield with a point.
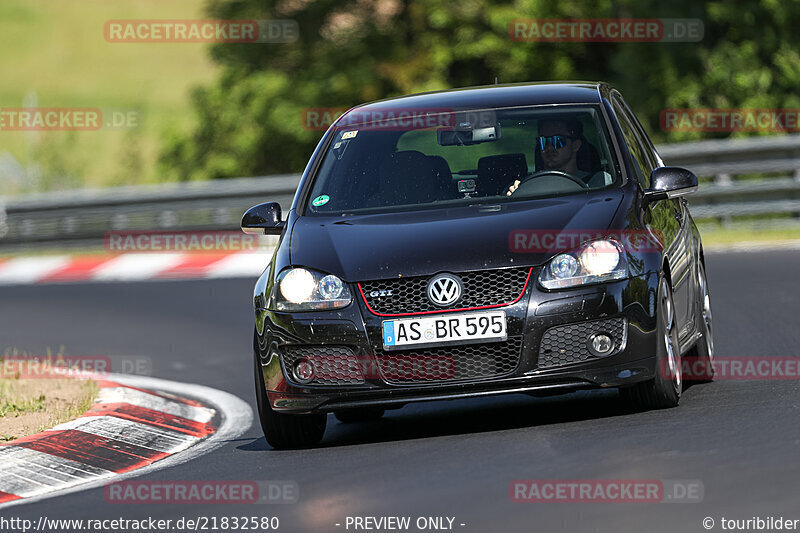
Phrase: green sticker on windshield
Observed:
(320, 200)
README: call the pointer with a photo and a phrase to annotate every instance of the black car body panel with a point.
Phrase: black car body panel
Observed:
(545, 328)
(387, 245)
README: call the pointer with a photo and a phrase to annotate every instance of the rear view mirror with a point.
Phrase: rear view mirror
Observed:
(670, 182)
(471, 127)
(457, 137)
(263, 219)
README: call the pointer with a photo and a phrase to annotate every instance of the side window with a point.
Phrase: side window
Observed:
(643, 165)
(647, 144)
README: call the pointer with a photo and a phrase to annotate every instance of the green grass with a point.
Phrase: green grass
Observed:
(13, 405)
(39, 252)
(724, 236)
(73, 411)
(55, 52)
(28, 406)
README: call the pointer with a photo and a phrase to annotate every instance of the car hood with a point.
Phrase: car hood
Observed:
(419, 243)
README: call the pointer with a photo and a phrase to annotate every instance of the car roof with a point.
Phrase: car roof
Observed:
(493, 96)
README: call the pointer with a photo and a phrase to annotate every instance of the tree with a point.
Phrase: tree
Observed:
(251, 120)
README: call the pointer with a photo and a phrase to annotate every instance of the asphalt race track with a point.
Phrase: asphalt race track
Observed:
(456, 459)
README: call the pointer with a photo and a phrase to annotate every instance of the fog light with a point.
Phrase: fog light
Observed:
(304, 371)
(601, 344)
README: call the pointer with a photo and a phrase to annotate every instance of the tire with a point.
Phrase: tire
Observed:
(664, 390)
(702, 354)
(284, 431)
(361, 414)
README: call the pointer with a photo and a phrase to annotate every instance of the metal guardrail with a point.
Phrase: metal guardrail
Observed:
(82, 218)
(725, 196)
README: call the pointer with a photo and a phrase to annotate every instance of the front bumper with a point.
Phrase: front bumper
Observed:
(547, 327)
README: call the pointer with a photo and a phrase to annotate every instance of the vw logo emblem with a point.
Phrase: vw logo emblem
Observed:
(444, 289)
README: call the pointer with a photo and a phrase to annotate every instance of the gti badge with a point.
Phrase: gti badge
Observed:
(380, 294)
(444, 289)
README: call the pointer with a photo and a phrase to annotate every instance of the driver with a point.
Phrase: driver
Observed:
(559, 141)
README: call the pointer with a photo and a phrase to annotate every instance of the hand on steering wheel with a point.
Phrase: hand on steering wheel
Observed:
(514, 186)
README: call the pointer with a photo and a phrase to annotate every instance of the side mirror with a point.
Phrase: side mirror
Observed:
(263, 219)
(670, 182)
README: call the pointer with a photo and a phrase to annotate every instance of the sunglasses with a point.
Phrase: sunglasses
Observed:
(558, 141)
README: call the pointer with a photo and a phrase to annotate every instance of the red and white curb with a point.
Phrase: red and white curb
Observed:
(130, 430)
(132, 267)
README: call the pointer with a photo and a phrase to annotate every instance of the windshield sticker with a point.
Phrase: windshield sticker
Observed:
(349, 134)
(320, 200)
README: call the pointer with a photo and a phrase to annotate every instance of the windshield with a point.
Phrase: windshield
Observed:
(458, 158)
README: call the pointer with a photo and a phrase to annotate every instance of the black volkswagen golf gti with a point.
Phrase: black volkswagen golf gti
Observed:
(505, 239)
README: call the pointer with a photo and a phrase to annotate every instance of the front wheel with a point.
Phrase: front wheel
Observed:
(703, 352)
(285, 430)
(664, 390)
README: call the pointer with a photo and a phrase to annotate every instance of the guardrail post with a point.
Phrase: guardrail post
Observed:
(3, 220)
(723, 179)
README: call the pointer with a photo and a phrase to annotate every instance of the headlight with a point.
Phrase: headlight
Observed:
(600, 257)
(300, 289)
(594, 262)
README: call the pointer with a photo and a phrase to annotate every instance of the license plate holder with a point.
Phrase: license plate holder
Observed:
(444, 330)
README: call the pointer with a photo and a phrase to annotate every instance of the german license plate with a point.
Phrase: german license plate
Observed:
(444, 329)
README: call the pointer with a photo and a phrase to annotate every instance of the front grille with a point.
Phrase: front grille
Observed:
(480, 288)
(450, 363)
(333, 365)
(564, 345)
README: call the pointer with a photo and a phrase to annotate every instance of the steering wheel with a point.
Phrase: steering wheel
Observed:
(556, 173)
